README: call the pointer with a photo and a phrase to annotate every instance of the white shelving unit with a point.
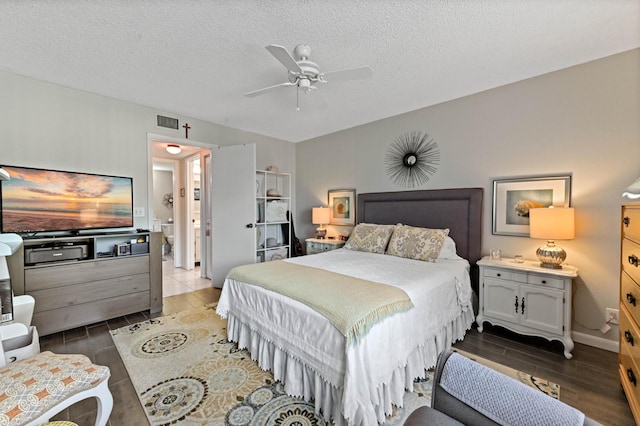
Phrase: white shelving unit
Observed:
(273, 227)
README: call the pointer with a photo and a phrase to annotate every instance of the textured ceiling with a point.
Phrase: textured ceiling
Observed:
(197, 58)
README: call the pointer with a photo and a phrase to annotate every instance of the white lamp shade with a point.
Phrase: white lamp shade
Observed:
(554, 223)
(320, 215)
(633, 190)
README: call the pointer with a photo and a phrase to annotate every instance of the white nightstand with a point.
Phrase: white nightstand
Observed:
(315, 245)
(527, 299)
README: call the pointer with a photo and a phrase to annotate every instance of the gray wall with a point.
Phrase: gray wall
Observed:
(50, 126)
(583, 121)
(162, 185)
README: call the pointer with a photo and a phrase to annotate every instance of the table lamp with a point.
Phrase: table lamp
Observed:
(553, 223)
(320, 216)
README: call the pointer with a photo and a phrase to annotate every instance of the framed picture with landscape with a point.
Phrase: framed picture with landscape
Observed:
(512, 199)
(342, 207)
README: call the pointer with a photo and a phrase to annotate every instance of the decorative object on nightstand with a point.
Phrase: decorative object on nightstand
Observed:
(553, 223)
(320, 216)
(633, 190)
(315, 245)
(542, 298)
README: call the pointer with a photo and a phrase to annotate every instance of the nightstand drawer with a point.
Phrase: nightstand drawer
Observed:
(318, 246)
(505, 275)
(545, 281)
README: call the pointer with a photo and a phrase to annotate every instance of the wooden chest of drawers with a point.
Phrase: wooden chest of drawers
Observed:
(629, 366)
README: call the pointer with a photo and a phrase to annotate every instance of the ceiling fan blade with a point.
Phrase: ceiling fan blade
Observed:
(266, 89)
(348, 74)
(284, 57)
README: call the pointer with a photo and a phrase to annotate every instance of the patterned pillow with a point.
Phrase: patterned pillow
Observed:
(370, 238)
(416, 243)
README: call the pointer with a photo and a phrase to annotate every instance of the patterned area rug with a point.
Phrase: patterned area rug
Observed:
(186, 372)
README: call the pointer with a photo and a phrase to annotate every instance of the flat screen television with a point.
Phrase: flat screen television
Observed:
(40, 200)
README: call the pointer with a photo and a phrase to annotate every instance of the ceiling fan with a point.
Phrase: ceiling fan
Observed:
(304, 74)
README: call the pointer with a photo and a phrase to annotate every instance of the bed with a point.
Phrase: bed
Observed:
(356, 377)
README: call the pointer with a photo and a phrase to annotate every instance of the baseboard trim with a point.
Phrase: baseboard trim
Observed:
(598, 342)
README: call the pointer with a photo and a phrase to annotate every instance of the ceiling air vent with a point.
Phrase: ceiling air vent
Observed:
(166, 122)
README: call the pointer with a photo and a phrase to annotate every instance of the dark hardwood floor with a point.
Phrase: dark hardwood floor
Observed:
(589, 381)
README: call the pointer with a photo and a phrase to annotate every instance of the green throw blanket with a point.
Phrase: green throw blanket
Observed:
(352, 305)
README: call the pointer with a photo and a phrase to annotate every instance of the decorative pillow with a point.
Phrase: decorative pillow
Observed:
(448, 250)
(416, 243)
(369, 237)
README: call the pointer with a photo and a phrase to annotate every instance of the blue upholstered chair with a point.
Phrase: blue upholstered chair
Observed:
(468, 393)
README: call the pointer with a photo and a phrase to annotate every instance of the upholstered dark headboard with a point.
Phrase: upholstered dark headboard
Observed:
(460, 210)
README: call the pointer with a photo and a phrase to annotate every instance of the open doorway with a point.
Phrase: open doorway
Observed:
(176, 196)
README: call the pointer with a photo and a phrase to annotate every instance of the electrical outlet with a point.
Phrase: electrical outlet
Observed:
(613, 316)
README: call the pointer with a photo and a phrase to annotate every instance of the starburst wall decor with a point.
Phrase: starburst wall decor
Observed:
(412, 159)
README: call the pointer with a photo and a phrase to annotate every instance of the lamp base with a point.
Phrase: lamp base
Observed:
(551, 256)
(321, 232)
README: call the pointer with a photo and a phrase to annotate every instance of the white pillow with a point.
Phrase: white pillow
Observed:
(448, 250)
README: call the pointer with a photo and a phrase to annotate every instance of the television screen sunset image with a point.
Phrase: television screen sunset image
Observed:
(36, 200)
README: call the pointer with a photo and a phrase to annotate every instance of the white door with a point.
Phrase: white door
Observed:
(233, 208)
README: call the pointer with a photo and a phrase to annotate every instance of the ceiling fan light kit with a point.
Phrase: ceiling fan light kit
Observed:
(304, 74)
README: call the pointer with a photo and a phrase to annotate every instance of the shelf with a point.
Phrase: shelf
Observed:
(273, 201)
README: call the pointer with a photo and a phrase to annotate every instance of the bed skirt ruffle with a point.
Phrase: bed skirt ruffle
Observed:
(300, 380)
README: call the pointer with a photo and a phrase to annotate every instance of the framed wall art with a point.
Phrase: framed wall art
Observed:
(512, 199)
(342, 207)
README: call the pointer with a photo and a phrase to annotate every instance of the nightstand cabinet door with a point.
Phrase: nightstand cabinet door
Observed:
(501, 300)
(542, 308)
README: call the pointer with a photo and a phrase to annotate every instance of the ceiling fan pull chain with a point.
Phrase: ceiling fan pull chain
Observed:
(297, 98)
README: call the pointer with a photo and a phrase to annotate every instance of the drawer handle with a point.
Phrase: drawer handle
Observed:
(626, 221)
(628, 337)
(544, 281)
(522, 306)
(633, 259)
(516, 305)
(631, 376)
(631, 299)
(498, 274)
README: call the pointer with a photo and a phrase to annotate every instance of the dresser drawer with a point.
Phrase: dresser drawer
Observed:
(630, 296)
(629, 336)
(545, 281)
(504, 274)
(631, 223)
(630, 377)
(631, 259)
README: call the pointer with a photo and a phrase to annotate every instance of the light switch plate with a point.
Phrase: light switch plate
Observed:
(138, 211)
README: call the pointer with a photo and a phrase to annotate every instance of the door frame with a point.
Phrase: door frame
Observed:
(181, 234)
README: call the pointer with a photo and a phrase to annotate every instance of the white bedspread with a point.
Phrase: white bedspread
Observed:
(308, 354)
